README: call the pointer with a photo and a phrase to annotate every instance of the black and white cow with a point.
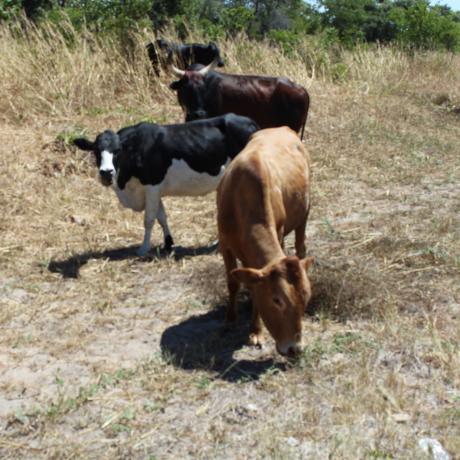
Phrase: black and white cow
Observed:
(162, 53)
(147, 161)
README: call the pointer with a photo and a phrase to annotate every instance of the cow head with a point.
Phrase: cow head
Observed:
(106, 147)
(163, 44)
(215, 52)
(191, 90)
(280, 293)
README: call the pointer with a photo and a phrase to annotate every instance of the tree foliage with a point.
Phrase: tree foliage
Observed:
(422, 26)
(411, 23)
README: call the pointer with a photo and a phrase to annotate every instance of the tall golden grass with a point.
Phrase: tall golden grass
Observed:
(56, 71)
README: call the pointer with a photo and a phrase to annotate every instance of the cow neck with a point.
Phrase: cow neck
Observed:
(263, 247)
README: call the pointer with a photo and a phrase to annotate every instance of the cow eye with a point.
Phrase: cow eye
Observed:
(277, 301)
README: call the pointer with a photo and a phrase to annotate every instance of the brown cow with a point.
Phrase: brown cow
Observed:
(269, 101)
(264, 195)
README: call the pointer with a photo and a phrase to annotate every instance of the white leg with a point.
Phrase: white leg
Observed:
(152, 205)
(164, 225)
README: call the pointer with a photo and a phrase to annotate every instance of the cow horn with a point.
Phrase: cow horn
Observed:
(177, 72)
(209, 67)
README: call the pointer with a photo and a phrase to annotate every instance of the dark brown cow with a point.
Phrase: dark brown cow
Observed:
(269, 101)
(264, 195)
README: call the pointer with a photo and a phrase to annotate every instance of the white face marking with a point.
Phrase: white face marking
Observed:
(107, 162)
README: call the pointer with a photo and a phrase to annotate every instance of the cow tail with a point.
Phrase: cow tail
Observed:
(306, 107)
(303, 129)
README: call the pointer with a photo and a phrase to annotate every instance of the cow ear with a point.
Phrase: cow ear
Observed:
(248, 275)
(307, 262)
(84, 144)
(175, 85)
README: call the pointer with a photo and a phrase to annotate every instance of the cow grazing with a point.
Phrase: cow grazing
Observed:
(269, 101)
(263, 196)
(147, 161)
(163, 53)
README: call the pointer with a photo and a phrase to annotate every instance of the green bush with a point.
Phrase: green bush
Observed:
(117, 16)
(423, 27)
(288, 41)
(10, 9)
(237, 20)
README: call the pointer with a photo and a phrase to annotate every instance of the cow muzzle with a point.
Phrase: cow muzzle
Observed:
(106, 176)
(290, 350)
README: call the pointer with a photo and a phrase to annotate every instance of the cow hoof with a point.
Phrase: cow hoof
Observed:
(256, 340)
(142, 251)
(301, 254)
(214, 246)
(169, 243)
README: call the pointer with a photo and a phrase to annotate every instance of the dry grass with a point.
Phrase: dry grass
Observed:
(104, 355)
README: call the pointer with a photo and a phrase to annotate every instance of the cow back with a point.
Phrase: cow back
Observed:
(204, 145)
(265, 187)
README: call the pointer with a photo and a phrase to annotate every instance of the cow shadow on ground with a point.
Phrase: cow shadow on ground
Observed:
(70, 267)
(342, 292)
(203, 342)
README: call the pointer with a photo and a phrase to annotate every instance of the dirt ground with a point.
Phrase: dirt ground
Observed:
(107, 355)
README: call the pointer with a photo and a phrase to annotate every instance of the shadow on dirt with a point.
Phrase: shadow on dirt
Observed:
(202, 342)
(70, 267)
(342, 292)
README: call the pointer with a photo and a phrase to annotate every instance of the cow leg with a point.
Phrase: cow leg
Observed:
(152, 205)
(164, 225)
(300, 248)
(280, 235)
(255, 335)
(232, 284)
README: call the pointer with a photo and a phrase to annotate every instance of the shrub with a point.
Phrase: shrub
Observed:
(288, 41)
